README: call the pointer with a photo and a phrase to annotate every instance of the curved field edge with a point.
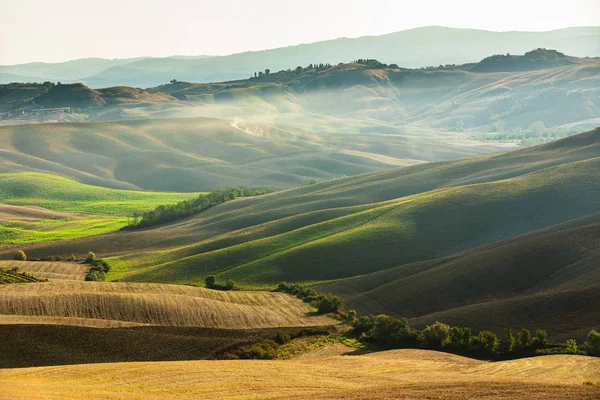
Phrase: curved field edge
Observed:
(326, 373)
(157, 304)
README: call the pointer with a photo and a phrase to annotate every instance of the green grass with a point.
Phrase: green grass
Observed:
(63, 194)
(26, 232)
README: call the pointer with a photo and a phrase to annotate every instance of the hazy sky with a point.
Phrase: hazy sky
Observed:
(60, 30)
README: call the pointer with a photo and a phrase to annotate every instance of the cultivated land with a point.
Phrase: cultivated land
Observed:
(356, 226)
(330, 373)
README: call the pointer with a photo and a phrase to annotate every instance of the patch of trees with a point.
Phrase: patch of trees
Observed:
(324, 303)
(171, 212)
(388, 332)
(535, 59)
(371, 63)
(289, 72)
(210, 282)
(98, 268)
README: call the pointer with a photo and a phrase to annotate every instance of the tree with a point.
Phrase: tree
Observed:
(508, 341)
(486, 342)
(209, 281)
(592, 344)
(541, 338)
(571, 346)
(524, 338)
(537, 129)
(91, 257)
(298, 69)
(436, 336)
(20, 256)
(267, 71)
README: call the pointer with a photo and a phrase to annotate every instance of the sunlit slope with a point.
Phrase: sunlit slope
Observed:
(546, 279)
(57, 193)
(155, 304)
(366, 223)
(49, 269)
(198, 154)
(324, 374)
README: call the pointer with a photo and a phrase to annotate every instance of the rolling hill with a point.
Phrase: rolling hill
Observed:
(325, 374)
(409, 218)
(200, 154)
(413, 48)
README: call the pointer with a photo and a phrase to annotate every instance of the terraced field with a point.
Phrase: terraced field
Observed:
(330, 373)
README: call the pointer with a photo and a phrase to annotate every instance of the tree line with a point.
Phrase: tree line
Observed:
(171, 212)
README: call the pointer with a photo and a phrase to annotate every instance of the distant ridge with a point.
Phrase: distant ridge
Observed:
(417, 47)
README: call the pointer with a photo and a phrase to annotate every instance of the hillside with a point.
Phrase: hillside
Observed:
(547, 277)
(329, 374)
(421, 47)
(374, 222)
(200, 154)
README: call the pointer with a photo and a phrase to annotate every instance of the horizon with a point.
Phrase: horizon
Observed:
(294, 45)
(143, 32)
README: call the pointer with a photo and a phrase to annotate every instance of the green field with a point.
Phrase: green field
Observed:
(63, 194)
(81, 210)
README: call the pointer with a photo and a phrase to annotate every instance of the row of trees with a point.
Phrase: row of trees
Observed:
(172, 212)
(389, 332)
(324, 303)
(298, 70)
(98, 268)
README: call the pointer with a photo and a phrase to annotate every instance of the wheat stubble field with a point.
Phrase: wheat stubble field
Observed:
(328, 373)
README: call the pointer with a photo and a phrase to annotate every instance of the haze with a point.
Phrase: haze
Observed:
(61, 30)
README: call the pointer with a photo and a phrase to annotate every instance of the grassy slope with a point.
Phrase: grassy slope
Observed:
(63, 194)
(81, 210)
(548, 278)
(365, 223)
(324, 374)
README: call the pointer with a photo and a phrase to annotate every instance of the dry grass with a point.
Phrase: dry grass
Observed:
(157, 304)
(324, 374)
(49, 270)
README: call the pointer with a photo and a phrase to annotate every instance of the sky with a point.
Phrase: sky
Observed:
(62, 30)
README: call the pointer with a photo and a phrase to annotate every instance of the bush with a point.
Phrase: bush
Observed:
(329, 303)
(96, 276)
(571, 345)
(508, 341)
(524, 338)
(282, 337)
(72, 258)
(210, 282)
(436, 336)
(20, 256)
(592, 344)
(91, 257)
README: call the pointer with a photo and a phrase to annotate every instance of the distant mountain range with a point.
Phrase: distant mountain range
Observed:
(421, 47)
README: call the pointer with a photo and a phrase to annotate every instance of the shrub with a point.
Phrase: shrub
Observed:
(282, 337)
(508, 341)
(209, 281)
(20, 256)
(524, 338)
(364, 324)
(91, 257)
(72, 257)
(571, 345)
(592, 344)
(436, 336)
(349, 317)
(329, 304)
(97, 276)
